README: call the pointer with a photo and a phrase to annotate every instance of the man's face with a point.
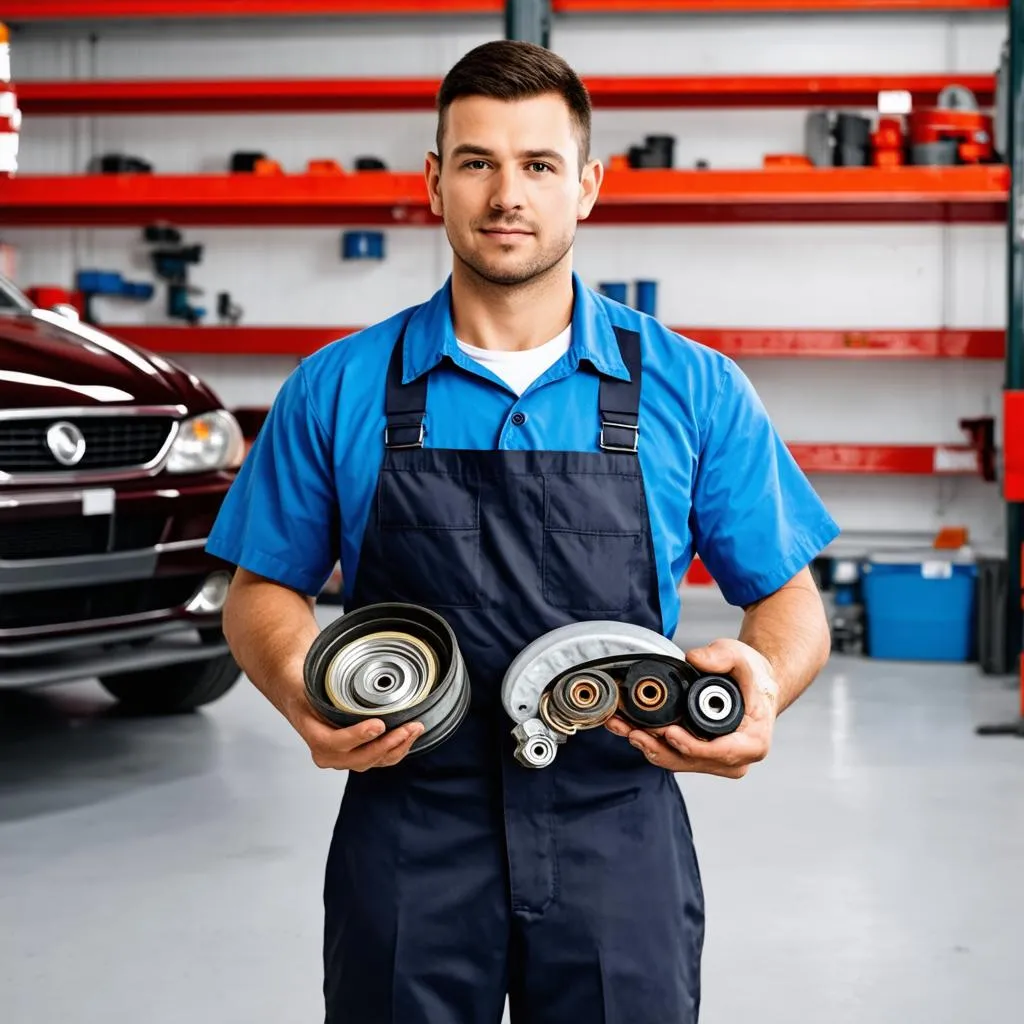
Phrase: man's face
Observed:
(509, 186)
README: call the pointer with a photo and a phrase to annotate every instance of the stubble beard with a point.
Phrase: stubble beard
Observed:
(542, 264)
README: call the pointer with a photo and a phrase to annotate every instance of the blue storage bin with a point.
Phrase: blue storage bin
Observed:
(920, 606)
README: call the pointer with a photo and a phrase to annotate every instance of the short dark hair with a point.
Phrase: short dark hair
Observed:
(509, 69)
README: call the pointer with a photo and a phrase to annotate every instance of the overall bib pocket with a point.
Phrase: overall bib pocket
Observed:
(430, 533)
(590, 532)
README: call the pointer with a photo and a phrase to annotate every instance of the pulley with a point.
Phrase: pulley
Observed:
(577, 677)
(396, 662)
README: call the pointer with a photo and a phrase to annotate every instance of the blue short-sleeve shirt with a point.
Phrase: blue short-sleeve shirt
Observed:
(720, 482)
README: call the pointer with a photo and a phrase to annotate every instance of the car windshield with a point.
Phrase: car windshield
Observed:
(11, 300)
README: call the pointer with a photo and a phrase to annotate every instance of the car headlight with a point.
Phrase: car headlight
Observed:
(210, 441)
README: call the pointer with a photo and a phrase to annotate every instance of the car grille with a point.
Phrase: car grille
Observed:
(104, 601)
(111, 442)
(80, 535)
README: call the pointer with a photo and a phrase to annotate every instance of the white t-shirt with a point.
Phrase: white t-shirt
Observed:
(520, 369)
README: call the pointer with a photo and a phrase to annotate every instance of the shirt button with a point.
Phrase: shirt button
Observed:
(518, 418)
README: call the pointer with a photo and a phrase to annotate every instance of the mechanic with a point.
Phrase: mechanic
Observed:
(519, 453)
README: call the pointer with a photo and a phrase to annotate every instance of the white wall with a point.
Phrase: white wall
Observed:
(850, 276)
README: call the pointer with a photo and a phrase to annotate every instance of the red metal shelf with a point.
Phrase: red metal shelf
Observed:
(769, 6)
(901, 460)
(908, 194)
(241, 341)
(302, 341)
(904, 344)
(775, 91)
(101, 10)
(50, 10)
(40, 99)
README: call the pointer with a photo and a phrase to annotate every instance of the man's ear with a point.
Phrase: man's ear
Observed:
(590, 188)
(432, 172)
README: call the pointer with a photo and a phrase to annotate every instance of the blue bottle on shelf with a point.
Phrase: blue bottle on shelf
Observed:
(647, 297)
(614, 290)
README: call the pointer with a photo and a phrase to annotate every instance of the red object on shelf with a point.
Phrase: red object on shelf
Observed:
(973, 131)
(47, 10)
(40, 99)
(47, 296)
(907, 194)
(904, 460)
(786, 161)
(302, 341)
(324, 167)
(887, 143)
(1013, 446)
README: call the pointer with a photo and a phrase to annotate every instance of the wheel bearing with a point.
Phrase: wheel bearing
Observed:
(396, 662)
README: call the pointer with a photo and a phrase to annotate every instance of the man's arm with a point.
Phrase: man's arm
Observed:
(791, 630)
(784, 642)
(269, 629)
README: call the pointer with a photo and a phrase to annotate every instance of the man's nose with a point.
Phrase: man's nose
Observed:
(507, 194)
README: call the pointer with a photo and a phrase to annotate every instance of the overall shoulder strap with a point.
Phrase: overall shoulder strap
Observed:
(619, 400)
(405, 405)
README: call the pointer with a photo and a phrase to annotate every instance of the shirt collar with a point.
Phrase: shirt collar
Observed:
(430, 337)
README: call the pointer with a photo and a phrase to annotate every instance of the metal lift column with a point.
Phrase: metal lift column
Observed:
(1013, 394)
(528, 20)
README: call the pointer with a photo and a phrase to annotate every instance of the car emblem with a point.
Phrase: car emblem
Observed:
(66, 443)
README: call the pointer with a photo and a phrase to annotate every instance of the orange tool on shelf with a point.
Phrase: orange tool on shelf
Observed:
(324, 167)
(971, 129)
(887, 143)
(951, 538)
(267, 168)
(787, 161)
(953, 131)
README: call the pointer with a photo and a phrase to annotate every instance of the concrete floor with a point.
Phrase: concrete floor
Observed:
(869, 872)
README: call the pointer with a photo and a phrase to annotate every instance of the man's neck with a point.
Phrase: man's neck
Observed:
(511, 317)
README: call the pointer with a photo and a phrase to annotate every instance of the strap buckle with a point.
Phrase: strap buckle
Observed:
(632, 449)
(418, 443)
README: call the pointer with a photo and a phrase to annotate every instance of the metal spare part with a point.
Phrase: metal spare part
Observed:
(578, 676)
(536, 744)
(714, 706)
(580, 700)
(396, 662)
(654, 691)
(571, 650)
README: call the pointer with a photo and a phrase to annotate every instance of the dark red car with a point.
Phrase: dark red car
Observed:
(113, 464)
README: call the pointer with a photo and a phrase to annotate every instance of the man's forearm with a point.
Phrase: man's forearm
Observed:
(791, 630)
(269, 629)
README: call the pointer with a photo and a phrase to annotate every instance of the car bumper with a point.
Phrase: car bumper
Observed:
(72, 617)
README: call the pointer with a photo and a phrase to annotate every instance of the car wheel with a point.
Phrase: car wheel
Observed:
(174, 688)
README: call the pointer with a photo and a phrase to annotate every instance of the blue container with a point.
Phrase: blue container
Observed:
(99, 282)
(614, 290)
(647, 297)
(362, 245)
(920, 606)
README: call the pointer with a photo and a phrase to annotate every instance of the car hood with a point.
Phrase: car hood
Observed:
(49, 362)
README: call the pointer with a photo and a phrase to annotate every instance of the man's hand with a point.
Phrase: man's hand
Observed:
(358, 747)
(730, 756)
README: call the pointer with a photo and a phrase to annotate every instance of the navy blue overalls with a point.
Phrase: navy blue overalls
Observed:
(460, 875)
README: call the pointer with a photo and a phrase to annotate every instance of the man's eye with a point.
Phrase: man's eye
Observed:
(475, 165)
(540, 167)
